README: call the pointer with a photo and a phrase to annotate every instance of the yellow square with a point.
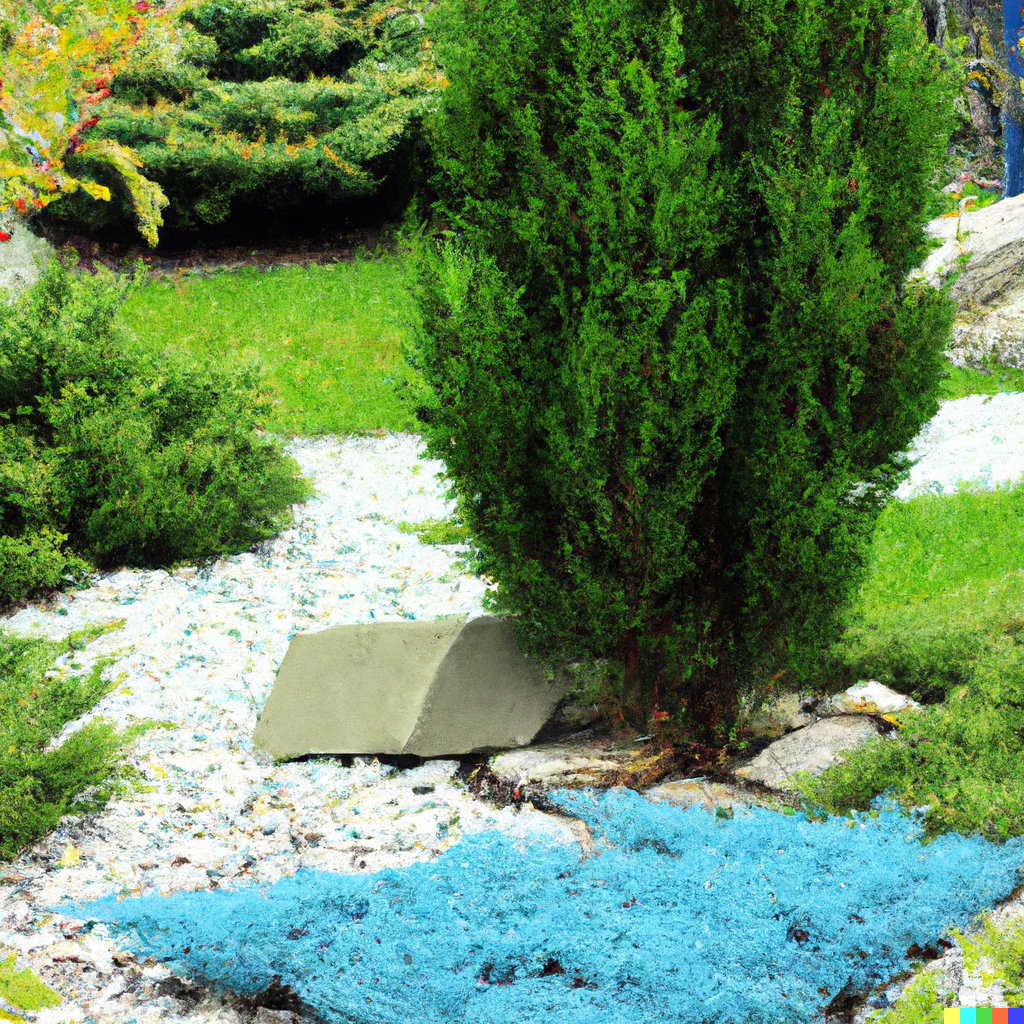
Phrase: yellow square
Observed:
(950, 1017)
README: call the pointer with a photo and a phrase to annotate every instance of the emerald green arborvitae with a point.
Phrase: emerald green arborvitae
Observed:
(665, 321)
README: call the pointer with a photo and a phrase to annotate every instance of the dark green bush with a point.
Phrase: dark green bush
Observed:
(131, 458)
(666, 323)
(265, 105)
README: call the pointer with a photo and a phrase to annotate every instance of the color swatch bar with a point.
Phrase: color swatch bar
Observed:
(982, 1016)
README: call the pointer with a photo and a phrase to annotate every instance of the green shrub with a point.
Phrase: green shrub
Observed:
(666, 325)
(38, 786)
(133, 457)
(264, 105)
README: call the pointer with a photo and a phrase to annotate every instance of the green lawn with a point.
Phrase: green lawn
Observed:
(329, 338)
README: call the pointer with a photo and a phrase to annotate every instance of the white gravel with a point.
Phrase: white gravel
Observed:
(198, 652)
(977, 440)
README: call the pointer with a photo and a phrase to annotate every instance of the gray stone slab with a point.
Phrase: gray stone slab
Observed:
(812, 749)
(427, 688)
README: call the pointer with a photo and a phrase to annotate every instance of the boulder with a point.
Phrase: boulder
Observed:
(712, 796)
(777, 716)
(425, 688)
(993, 238)
(986, 248)
(867, 698)
(21, 255)
(576, 761)
(812, 749)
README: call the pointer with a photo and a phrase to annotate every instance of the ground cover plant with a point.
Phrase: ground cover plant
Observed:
(39, 786)
(684, 916)
(665, 324)
(128, 457)
(329, 338)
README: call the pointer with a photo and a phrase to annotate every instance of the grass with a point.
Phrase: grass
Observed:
(329, 338)
(941, 616)
(437, 531)
(22, 990)
(39, 786)
(992, 380)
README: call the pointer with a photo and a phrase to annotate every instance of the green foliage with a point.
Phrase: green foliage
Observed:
(666, 326)
(132, 457)
(328, 337)
(39, 786)
(437, 531)
(942, 616)
(266, 104)
(22, 990)
(53, 66)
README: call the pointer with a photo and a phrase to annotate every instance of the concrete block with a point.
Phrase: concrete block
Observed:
(427, 688)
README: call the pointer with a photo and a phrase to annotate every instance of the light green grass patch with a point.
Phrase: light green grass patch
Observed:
(991, 380)
(328, 337)
(437, 531)
(941, 617)
(23, 990)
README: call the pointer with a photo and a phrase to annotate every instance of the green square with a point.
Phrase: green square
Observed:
(983, 1016)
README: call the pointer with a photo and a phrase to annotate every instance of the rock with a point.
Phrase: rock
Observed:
(994, 239)
(989, 289)
(867, 698)
(712, 796)
(812, 749)
(777, 716)
(584, 761)
(425, 688)
(22, 255)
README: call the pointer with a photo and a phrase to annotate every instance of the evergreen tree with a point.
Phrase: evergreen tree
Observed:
(665, 322)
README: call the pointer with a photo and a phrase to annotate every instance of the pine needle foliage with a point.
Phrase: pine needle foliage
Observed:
(664, 319)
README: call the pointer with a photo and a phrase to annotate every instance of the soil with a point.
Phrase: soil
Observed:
(202, 259)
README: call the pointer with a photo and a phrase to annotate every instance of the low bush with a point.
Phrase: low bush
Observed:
(264, 105)
(132, 458)
(38, 786)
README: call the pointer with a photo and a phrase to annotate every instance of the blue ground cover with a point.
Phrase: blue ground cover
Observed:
(683, 916)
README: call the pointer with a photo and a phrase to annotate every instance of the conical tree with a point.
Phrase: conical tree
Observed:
(665, 321)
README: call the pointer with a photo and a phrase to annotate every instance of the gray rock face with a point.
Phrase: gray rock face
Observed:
(990, 286)
(21, 256)
(994, 240)
(570, 763)
(812, 749)
(426, 688)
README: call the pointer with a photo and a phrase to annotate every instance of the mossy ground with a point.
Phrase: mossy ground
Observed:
(22, 990)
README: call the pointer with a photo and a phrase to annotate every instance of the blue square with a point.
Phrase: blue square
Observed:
(1015, 1016)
